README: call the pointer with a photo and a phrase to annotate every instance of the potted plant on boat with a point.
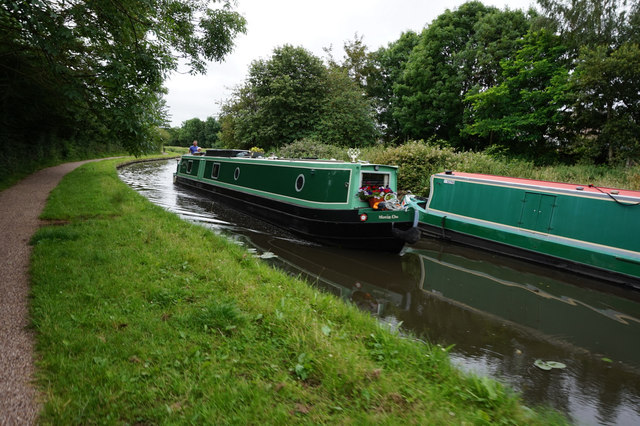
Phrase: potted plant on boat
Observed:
(373, 194)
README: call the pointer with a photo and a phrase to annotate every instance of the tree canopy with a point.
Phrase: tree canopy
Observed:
(94, 70)
(293, 96)
(387, 66)
(205, 132)
(559, 81)
(523, 112)
(459, 50)
(602, 37)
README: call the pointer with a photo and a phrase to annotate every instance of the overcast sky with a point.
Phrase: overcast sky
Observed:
(311, 24)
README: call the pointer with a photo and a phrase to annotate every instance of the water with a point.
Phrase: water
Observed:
(500, 314)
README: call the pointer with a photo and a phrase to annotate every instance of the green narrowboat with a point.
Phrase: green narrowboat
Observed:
(586, 229)
(316, 199)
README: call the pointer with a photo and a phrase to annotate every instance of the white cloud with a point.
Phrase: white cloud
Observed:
(310, 24)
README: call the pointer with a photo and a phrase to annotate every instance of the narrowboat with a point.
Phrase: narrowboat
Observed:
(586, 229)
(315, 199)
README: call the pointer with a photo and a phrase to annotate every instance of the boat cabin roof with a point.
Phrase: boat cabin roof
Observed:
(479, 177)
(227, 153)
(242, 153)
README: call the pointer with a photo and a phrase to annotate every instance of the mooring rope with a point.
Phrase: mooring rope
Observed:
(614, 198)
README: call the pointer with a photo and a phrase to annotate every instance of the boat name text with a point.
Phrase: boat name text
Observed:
(388, 216)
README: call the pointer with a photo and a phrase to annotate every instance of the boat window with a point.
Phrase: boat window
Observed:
(189, 165)
(236, 174)
(375, 179)
(215, 171)
(299, 183)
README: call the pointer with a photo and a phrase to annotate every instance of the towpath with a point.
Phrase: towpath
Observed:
(20, 207)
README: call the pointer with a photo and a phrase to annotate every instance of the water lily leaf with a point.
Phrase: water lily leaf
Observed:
(542, 365)
(555, 364)
(548, 365)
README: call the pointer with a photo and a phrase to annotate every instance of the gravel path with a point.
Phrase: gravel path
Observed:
(20, 207)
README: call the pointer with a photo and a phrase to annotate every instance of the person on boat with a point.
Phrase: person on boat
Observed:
(193, 149)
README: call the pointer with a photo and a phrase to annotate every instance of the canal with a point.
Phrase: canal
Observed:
(498, 314)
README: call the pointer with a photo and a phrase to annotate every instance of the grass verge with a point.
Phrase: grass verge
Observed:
(143, 318)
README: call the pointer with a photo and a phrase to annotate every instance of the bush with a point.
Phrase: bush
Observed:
(417, 161)
(310, 148)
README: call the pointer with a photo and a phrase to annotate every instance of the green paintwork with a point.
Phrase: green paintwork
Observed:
(586, 228)
(388, 216)
(327, 184)
(320, 184)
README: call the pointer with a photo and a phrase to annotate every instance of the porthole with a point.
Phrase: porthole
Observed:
(236, 174)
(299, 183)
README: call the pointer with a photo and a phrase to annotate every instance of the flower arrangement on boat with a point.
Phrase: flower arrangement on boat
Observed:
(373, 194)
(365, 193)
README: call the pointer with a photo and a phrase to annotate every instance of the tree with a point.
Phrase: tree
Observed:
(192, 130)
(606, 107)
(587, 23)
(346, 117)
(386, 67)
(288, 90)
(205, 132)
(632, 32)
(603, 37)
(211, 132)
(497, 37)
(459, 50)
(293, 96)
(356, 61)
(95, 69)
(524, 113)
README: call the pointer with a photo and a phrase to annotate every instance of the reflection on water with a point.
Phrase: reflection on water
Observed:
(501, 314)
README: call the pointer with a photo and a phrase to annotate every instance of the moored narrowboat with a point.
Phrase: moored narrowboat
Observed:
(585, 229)
(316, 199)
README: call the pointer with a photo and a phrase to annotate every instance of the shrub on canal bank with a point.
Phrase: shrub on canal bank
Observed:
(143, 318)
(418, 160)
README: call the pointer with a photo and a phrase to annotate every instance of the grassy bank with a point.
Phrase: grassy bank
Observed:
(143, 318)
(177, 150)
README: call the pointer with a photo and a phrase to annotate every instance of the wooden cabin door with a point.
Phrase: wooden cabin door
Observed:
(537, 211)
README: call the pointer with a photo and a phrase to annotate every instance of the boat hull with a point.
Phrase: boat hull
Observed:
(334, 227)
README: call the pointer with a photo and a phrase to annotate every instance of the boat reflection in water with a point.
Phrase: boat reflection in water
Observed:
(601, 323)
(504, 314)
(500, 313)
